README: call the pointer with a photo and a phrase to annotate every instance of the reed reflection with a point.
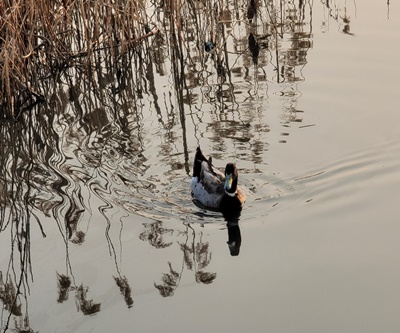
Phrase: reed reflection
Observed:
(154, 234)
(338, 11)
(196, 256)
(125, 289)
(83, 304)
(18, 190)
(109, 108)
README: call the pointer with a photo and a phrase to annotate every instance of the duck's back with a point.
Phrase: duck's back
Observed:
(208, 188)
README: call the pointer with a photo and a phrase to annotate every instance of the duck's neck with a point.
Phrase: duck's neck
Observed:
(231, 194)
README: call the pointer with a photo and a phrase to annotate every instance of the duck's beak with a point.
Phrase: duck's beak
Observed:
(228, 182)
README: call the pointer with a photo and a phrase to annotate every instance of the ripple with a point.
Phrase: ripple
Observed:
(353, 178)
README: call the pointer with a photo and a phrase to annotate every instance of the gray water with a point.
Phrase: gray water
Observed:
(101, 233)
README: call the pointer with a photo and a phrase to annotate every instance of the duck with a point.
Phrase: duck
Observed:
(214, 189)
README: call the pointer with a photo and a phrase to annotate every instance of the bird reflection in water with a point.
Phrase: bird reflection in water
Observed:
(234, 236)
(232, 222)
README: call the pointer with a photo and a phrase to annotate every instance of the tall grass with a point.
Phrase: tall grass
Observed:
(41, 38)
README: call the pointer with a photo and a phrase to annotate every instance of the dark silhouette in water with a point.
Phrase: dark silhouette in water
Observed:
(254, 48)
(234, 236)
(234, 239)
(251, 10)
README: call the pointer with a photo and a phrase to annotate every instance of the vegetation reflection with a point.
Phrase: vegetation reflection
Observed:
(91, 91)
(196, 256)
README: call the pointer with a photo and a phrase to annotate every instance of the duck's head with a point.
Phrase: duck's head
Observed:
(231, 179)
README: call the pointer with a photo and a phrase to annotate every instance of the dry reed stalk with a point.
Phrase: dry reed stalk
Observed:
(40, 39)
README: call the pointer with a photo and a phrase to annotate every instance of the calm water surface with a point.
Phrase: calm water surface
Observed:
(99, 232)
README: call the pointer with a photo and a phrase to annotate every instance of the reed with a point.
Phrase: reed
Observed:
(39, 39)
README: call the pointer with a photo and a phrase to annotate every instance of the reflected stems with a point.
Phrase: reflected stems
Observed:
(196, 256)
(388, 9)
(20, 196)
(98, 190)
(275, 26)
(180, 83)
(228, 70)
(200, 258)
(121, 281)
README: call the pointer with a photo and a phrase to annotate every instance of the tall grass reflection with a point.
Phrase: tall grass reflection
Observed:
(99, 94)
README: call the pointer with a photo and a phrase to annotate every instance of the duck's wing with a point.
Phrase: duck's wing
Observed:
(215, 171)
(212, 179)
(241, 196)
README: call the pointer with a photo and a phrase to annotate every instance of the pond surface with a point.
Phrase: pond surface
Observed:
(99, 232)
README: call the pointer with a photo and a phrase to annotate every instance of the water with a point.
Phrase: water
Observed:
(104, 176)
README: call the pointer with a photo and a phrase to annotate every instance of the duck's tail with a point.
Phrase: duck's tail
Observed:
(198, 159)
(199, 155)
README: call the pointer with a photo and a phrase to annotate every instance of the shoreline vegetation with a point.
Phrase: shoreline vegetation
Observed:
(40, 39)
